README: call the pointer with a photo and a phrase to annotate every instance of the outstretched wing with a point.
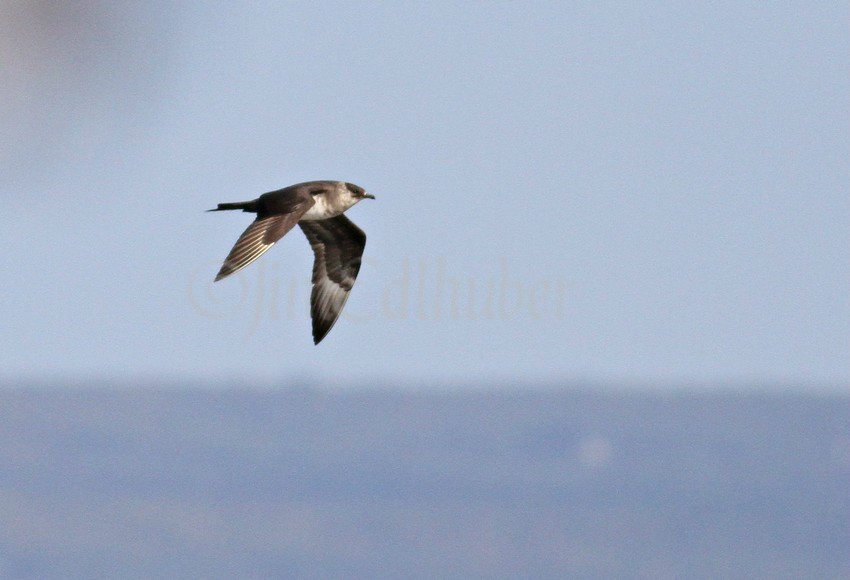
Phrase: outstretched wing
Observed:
(267, 229)
(337, 247)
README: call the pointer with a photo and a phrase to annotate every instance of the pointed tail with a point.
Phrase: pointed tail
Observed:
(243, 205)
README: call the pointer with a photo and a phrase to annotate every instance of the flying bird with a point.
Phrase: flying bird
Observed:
(317, 207)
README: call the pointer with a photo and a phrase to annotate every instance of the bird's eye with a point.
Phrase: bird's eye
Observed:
(355, 189)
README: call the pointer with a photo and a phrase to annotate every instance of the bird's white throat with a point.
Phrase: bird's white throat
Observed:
(330, 204)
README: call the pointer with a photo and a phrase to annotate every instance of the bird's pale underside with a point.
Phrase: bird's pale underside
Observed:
(317, 207)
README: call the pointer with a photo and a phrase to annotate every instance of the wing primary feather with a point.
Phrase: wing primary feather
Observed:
(277, 213)
(337, 249)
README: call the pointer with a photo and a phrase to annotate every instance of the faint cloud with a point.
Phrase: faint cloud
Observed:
(74, 72)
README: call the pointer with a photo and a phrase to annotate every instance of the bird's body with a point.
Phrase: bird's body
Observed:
(317, 207)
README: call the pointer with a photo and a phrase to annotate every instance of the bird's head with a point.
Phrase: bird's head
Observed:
(357, 192)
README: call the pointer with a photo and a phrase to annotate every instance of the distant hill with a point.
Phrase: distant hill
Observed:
(169, 483)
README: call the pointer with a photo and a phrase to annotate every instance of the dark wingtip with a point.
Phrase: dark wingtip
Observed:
(223, 273)
(320, 333)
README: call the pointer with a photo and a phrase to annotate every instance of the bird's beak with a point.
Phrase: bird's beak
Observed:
(369, 195)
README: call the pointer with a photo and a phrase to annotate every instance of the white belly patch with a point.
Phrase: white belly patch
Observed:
(320, 210)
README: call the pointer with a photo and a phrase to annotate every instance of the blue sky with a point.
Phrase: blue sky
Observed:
(631, 192)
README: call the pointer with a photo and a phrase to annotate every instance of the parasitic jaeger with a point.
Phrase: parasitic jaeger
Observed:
(317, 208)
